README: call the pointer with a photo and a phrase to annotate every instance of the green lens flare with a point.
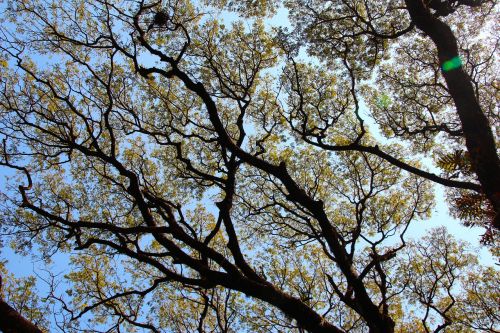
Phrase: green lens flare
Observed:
(452, 64)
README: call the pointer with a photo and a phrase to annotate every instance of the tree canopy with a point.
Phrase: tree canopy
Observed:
(207, 167)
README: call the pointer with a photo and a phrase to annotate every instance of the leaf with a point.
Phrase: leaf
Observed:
(473, 209)
(457, 160)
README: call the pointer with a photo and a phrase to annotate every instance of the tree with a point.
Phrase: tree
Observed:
(421, 95)
(209, 178)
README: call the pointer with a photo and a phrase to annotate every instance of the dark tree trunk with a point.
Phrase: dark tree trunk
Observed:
(476, 128)
(12, 322)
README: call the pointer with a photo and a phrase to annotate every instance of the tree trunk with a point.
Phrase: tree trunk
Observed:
(476, 128)
(11, 321)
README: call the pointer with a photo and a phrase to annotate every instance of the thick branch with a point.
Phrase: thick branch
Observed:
(12, 321)
(375, 150)
(369, 310)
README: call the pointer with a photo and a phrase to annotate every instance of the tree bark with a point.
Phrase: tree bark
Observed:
(11, 321)
(476, 128)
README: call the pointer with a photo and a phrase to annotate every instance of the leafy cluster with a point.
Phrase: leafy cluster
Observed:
(203, 175)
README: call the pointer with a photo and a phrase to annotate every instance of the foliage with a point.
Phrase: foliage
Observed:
(21, 294)
(203, 175)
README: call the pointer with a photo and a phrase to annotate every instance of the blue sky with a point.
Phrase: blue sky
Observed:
(23, 266)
